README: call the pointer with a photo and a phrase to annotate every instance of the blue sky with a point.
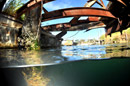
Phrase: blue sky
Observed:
(60, 4)
(92, 34)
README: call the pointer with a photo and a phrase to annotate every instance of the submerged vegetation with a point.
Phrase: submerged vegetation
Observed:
(35, 77)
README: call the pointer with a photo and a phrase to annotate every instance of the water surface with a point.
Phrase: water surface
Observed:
(93, 65)
(20, 58)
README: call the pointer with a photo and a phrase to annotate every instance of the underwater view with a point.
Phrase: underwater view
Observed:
(87, 65)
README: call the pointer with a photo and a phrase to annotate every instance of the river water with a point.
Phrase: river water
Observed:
(89, 65)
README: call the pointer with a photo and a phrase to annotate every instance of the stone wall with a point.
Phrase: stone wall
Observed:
(8, 37)
(9, 29)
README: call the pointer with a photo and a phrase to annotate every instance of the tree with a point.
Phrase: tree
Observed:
(12, 6)
(102, 37)
(82, 41)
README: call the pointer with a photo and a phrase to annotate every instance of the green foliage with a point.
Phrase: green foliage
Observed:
(102, 37)
(22, 17)
(34, 45)
(117, 36)
(82, 41)
(91, 40)
(115, 39)
(127, 31)
(12, 6)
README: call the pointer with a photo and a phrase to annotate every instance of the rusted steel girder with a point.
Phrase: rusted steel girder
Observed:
(101, 4)
(111, 27)
(80, 25)
(30, 5)
(117, 25)
(120, 1)
(90, 3)
(69, 24)
(122, 13)
(78, 11)
(75, 22)
(68, 27)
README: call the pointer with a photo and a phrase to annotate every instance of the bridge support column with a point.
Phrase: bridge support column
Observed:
(31, 26)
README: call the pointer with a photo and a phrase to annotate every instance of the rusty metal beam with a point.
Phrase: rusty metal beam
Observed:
(108, 31)
(101, 4)
(90, 3)
(45, 10)
(75, 20)
(30, 5)
(92, 19)
(119, 25)
(77, 11)
(120, 1)
(70, 24)
(84, 26)
(69, 27)
(114, 27)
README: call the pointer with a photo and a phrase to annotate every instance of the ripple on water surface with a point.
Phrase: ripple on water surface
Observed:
(13, 57)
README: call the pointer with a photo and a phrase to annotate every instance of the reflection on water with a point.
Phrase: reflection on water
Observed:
(11, 57)
(66, 66)
(83, 52)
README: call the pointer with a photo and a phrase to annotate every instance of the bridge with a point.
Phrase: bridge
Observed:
(114, 17)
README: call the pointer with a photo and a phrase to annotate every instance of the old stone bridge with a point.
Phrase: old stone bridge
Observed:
(13, 32)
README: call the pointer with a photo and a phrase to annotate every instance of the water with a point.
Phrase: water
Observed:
(66, 66)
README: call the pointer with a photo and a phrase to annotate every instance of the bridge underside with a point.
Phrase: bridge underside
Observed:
(115, 17)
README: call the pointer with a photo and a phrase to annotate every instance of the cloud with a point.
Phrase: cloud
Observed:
(55, 5)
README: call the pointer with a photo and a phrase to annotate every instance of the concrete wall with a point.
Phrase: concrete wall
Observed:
(49, 40)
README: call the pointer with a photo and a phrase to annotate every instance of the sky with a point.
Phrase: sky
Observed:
(72, 35)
